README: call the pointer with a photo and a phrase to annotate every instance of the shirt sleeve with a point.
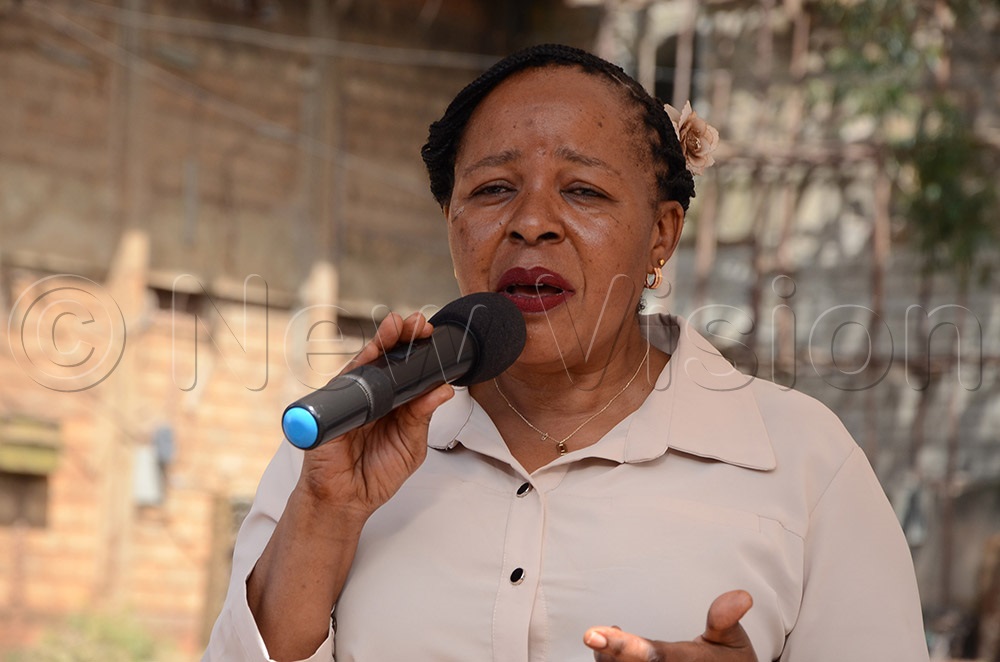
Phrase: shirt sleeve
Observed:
(235, 636)
(859, 596)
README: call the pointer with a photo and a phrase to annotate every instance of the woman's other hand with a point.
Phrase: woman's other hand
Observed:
(724, 639)
(362, 469)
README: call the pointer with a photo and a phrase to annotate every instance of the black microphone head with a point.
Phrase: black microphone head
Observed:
(497, 327)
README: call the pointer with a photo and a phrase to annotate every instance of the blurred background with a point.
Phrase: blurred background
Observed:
(206, 204)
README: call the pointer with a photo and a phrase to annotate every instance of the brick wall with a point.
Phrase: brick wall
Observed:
(150, 159)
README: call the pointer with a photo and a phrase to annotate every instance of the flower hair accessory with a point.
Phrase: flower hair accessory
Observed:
(698, 138)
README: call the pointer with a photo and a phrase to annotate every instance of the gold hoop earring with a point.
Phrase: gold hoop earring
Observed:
(657, 276)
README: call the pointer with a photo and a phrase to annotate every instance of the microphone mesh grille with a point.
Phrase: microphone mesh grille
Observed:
(496, 326)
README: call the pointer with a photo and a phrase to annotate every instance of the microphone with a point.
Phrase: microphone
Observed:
(475, 338)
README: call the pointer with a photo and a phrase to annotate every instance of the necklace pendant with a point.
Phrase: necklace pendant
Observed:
(545, 435)
(562, 447)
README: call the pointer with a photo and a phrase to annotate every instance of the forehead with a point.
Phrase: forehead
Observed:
(560, 81)
(566, 99)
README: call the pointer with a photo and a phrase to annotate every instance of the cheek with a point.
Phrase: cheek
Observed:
(465, 237)
(618, 248)
(471, 250)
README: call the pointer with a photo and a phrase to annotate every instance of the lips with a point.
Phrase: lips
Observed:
(534, 290)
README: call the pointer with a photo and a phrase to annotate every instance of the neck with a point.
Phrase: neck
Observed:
(568, 389)
(582, 401)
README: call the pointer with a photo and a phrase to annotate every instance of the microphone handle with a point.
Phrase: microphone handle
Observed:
(367, 393)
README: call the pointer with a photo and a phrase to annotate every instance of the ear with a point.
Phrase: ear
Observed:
(666, 232)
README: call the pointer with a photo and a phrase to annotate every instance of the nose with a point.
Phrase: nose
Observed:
(535, 219)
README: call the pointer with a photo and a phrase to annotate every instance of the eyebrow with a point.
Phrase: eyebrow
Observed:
(506, 156)
(503, 158)
(576, 157)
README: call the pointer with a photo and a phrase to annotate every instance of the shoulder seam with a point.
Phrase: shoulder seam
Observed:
(833, 479)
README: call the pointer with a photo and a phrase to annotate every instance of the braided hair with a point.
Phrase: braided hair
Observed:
(674, 181)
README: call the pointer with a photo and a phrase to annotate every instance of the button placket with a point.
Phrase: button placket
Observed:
(518, 512)
(518, 588)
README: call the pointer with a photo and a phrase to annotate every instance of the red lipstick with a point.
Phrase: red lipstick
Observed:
(534, 290)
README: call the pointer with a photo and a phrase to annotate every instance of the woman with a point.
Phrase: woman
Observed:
(618, 473)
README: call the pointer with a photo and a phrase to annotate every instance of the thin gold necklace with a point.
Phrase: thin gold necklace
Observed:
(561, 444)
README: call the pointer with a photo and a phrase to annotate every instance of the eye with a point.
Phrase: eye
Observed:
(585, 191)
(493, 189)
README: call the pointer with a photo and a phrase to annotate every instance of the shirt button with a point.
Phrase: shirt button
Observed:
(517, 576)
(524, 489)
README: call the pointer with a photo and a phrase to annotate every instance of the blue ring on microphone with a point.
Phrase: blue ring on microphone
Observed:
(300, 427)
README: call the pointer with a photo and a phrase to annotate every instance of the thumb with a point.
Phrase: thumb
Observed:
(416, 414)
(723, 626)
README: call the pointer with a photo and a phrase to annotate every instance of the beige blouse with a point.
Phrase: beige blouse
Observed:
(718, 481)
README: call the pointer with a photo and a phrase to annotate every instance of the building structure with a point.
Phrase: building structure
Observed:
(206, 204)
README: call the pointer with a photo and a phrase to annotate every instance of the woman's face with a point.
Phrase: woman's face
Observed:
(555, 206)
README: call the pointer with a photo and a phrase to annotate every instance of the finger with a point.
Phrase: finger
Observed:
(390, 330)
(610, 643)
(417, 412)
(428, 402)
(387, 334)
(412, 328)
(723, 623)
(415, 326)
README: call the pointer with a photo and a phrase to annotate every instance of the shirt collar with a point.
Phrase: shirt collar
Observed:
(714, 412)
(701, 406)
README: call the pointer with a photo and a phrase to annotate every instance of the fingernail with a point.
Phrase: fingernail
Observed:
(596, 640)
